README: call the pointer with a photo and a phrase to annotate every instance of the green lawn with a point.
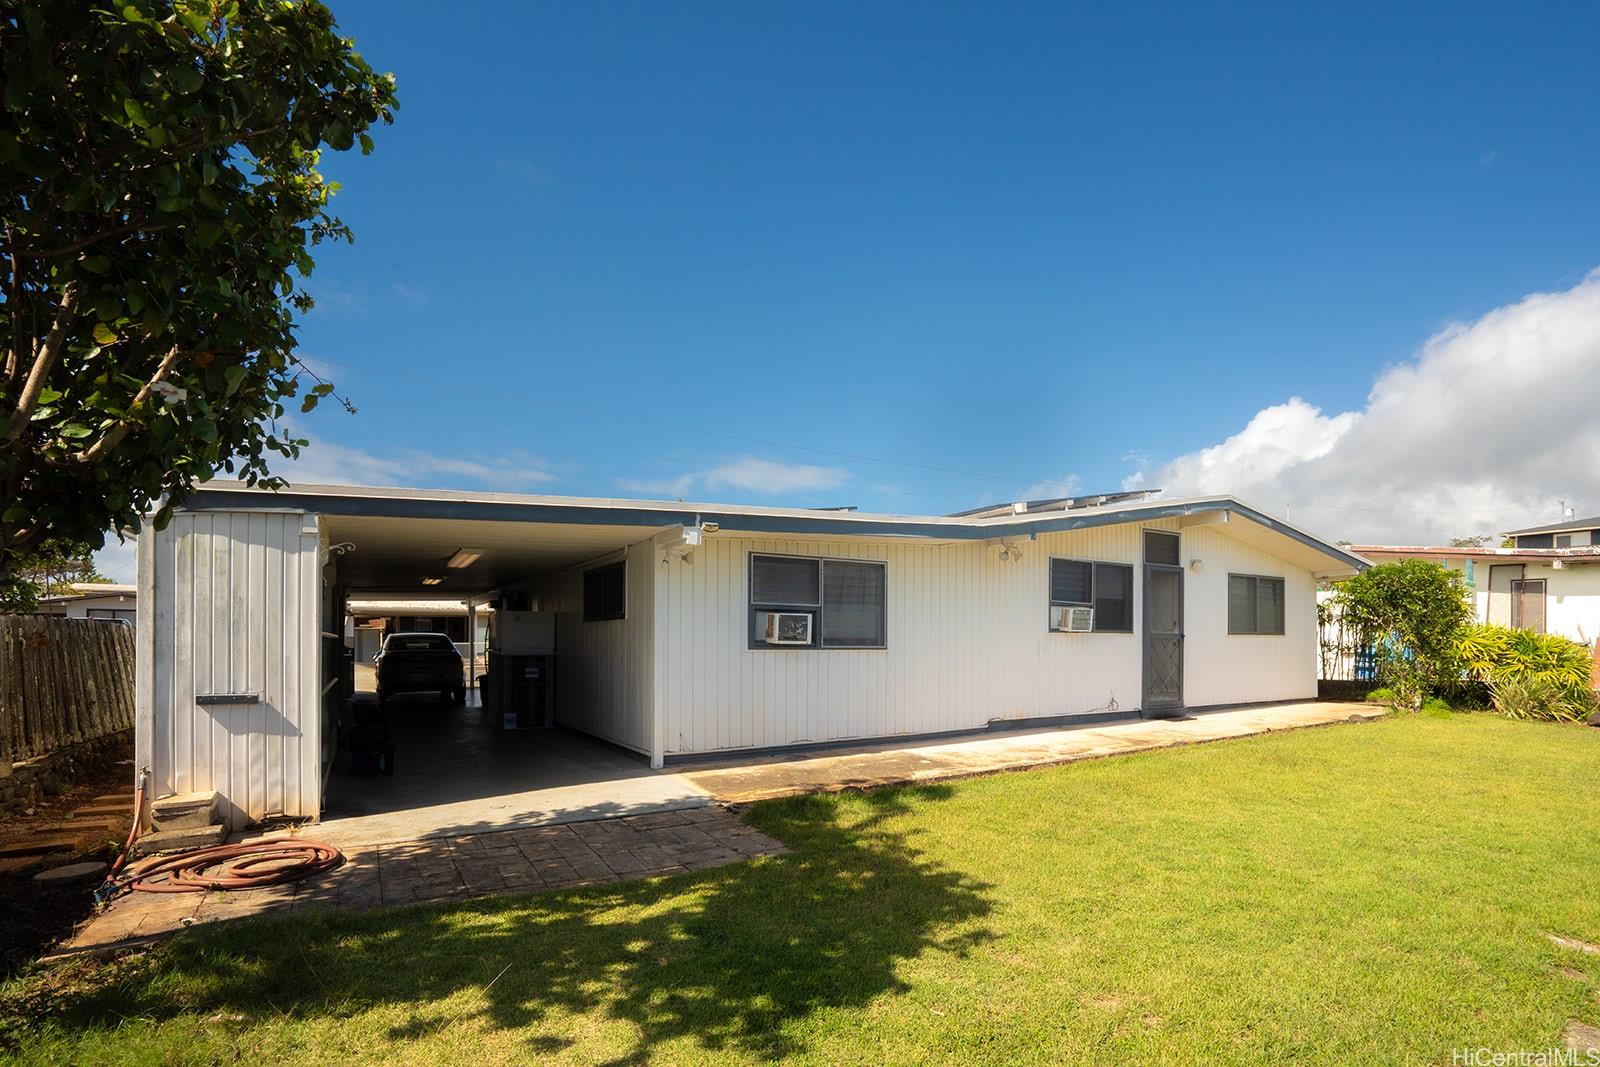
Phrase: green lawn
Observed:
(1376, 893)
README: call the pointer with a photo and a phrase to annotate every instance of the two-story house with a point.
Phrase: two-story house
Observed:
(1547, 578)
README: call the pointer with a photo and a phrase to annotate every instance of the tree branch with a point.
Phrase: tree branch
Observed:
(43, 362)
(14, 306)
(114, 436)
(84, 242)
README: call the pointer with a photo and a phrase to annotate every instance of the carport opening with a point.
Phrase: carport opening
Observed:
(453, 713)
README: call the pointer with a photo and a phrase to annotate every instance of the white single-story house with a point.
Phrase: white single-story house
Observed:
(1545, 579)
(682, 631)
(94, 600)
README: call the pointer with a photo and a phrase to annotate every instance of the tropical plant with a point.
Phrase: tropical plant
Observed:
(1529, 675)
(1534, 698)
(162, 200)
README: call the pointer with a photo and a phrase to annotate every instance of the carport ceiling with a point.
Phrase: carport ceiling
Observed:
(392, 555)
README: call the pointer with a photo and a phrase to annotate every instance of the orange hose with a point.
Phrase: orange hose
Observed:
(248, 865)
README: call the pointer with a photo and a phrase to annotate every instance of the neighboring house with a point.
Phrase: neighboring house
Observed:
(1548, 581)
(368, 621)
(94, 600)
(688, 630)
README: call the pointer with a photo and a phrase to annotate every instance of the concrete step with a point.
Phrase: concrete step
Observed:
(180, 840)
(184, 811)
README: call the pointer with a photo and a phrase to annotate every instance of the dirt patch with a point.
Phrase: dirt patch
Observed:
(1581, 1037)
(33, 918)
(1576, 945)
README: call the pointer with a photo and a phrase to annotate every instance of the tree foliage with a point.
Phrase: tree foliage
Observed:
(1410, 612)
(55, 565)
(159, 169)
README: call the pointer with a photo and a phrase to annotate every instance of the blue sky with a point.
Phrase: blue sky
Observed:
(665, 249)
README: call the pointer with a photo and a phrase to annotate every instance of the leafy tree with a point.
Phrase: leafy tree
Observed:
(1410, 612)
(1470, 542)
(50, 569)
(161, 200)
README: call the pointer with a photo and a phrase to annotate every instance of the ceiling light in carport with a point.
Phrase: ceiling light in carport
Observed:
(432, 581)
(464, 557)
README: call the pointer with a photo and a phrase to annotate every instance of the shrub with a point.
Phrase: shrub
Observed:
(1409, 612)
(1381, 695)
(1438, 707)
(1529, 675)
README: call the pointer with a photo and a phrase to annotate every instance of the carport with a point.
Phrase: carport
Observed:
(245, 685)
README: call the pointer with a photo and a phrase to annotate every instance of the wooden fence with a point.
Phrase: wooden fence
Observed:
(62, 681)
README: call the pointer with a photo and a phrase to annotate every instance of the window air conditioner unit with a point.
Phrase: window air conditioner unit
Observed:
(788, 628)
(1075, 620)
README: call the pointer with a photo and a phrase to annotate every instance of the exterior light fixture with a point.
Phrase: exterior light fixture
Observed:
(464, 557)
(432, 581)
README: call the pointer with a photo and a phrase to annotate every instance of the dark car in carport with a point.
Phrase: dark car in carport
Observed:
(420, 663)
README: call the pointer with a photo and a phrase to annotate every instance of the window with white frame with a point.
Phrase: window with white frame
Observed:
(1091, 597)
(1255, 604)
(811, 602)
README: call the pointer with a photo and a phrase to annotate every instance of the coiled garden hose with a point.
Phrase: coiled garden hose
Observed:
(248, 865)
(256, 864)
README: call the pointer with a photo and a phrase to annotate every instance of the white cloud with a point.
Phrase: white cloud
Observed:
(1484, 429)
(748, 474)
(1050, 488)
(326, 462)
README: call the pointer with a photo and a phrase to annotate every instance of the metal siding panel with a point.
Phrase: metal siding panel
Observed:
(170, 665)
(273, 664)
(293, 664)
(232, 718)
(309, 710)
(258, 612)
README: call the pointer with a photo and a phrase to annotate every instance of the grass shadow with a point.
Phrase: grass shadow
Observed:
(724, 958)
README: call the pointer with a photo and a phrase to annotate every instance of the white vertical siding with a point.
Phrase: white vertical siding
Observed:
(968, 643)
(603, 669)
(236, 609)
(1223, 668)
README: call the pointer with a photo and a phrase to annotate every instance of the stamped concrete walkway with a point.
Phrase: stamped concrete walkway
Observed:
(502, 863)
(873, 766)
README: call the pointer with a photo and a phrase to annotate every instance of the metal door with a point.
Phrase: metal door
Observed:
(1527, 604)
(1163, 640)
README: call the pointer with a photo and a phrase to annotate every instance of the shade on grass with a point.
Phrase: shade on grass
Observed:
(1377, 893)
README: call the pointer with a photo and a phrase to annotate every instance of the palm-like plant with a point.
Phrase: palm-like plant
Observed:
(1530, 675)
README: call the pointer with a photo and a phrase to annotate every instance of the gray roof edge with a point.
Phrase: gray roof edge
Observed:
(391, 503)
(1591, 523)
